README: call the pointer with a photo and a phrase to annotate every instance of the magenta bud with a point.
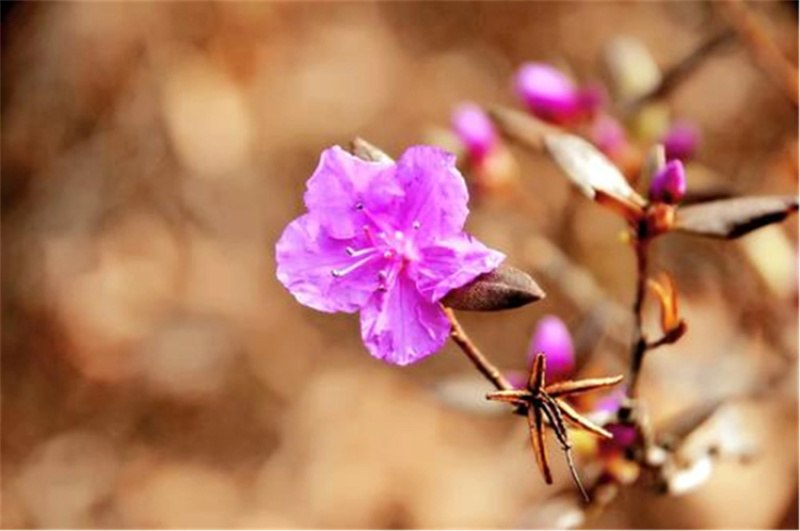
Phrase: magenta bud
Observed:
(669, 184)
(547, 92)
(681, 140)
(475, 130)
(592, 98)
(553, 339)
(611, 402)
(608, 134)
(623, 437)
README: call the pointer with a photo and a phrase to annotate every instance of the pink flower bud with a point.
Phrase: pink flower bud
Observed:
(608, 134)
(623, 437)
(592, 98)
(553, 338)
(547, 92)
(669, 184)
(681, 140)
(475, 130)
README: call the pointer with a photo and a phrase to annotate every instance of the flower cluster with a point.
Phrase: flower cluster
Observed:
(385, 239)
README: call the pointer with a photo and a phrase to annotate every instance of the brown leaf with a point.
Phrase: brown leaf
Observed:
(504, 288)
(589, 169)
(731, 218)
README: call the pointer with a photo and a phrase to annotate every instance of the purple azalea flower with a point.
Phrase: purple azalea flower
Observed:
(553, 338)
(385, 239)
(475, 130)
(548, 93)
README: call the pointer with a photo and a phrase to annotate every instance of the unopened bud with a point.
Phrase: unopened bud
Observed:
(669, 184)
(475, 129)
(553, 339)
(548, 93)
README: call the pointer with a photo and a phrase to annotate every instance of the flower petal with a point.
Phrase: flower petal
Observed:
(307, 257)
(344, 186)
(400, 326)
(435, 193)
(452, 263)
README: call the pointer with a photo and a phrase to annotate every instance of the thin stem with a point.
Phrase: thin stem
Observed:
(466, 345)
(639, 343)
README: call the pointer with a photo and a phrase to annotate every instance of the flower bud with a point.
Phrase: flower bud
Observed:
(475, 130)
(680, 141)
(608, 135)
(669, 184)
(547, 92)
(553, 338)
(624, 436)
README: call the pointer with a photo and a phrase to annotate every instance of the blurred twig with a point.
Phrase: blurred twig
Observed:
(765, 52)
(684, 68)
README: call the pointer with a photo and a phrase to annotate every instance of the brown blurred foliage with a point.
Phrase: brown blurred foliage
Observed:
(154, 372)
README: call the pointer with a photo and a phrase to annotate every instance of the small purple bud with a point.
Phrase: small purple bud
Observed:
(518, 379)
(669, 184)
(592, 98)
(608, 134)
(611, 402)
(623, 437)
(553, 338)
(475, 130)
(681, 140)
(547, 92)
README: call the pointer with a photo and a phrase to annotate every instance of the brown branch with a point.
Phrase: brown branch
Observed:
(639, 343)
(762, 48)
(489, 370)
(679, 72)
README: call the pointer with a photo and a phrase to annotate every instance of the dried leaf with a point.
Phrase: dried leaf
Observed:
(667, 295)
(504, 288)
(521, 127)
(590, 170)
(366, 151)
(732, 218)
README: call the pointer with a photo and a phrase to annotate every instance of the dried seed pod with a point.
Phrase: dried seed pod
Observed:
(504, 288)
(732, 218)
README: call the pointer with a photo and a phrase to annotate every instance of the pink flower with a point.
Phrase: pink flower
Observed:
(553, 338)
(475, 130)
(669, 184)
(548, 93)
(385, 239)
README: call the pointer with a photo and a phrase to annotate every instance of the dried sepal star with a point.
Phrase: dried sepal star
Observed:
(542, 402)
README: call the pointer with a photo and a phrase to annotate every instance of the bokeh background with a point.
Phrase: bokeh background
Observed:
(156, 374)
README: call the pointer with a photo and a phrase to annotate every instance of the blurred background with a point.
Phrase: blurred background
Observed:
(156, 374)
